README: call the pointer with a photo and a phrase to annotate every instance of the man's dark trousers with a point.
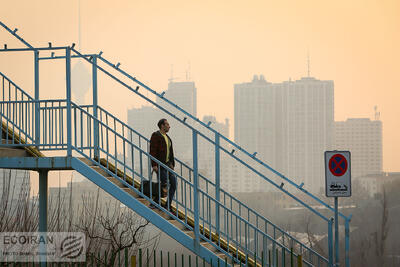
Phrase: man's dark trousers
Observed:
(164, 182)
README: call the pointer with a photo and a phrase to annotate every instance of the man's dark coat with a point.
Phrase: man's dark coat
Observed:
(158, 149)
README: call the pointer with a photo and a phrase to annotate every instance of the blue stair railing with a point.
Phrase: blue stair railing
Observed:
(53, 137)
(90, 131)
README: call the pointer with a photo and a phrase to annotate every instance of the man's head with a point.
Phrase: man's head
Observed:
(163, 125)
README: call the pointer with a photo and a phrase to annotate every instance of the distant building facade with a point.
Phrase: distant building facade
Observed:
(363, 138)
(373, 183)
(206, 149)
(288, 124)
(183, 94)
(144, 119)
(15, 183)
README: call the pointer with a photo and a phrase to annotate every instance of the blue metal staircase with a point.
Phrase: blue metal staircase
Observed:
(204, 217)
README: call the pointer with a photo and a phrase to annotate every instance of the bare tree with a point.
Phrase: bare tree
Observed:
(109, 228)
(380, 239)
(18, 213)
(112, 228)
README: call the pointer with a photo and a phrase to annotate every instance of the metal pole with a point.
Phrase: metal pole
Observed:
(37, 104)
(217, 180)
(68, 83)
(347, 246)
(336, 233)
(43, 210)
(196, 192)
(95, 123)
(330, 241)
(43, 200)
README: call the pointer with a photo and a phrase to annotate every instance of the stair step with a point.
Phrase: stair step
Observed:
(178, 225)
(131, 192)
(116, 181)
(100, 170)
(209, 246)
(222, 256)
(13, 152)
(189, 233)
(163, 214)
(144, 201)
(9, 141)
(86, 161)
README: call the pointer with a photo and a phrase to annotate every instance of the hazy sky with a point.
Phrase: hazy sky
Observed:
(355, 43)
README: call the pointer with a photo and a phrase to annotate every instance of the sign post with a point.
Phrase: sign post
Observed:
(337, 184)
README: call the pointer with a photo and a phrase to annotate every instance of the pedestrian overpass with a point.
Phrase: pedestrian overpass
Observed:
(204, 218)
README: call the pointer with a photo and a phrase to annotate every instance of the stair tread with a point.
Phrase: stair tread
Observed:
(87, 161)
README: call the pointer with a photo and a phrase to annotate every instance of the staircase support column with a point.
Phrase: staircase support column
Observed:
(43, 178)
(196, 191)
(68, 85)
(95, 122)
(37, 104)
(217, 180)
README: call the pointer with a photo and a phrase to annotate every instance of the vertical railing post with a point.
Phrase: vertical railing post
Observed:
(37, 104)
(196, 191)
(217, 180)
(95, 115)
(69, 117)
(43, 180)
(330, 241)
(347, 242)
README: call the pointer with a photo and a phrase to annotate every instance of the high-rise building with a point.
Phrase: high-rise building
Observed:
(183, 94)
(288, 124)
(363, 138)
(144, 119)
(206, 149)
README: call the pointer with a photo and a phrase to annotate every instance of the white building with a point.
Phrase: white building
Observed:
(206, 149)
(144, 120)
(373, 183)
(183, 94)
(363, 138)
(288, 124)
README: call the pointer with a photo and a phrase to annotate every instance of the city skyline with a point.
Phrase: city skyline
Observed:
(353, 44)
(285, 82)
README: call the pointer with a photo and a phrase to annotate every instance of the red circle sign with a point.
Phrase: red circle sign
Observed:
(338, 165)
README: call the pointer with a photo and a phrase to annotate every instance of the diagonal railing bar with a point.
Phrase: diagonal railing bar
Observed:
(4, 77)
(14, 32)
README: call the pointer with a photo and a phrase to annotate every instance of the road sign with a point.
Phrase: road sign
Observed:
(337, 174)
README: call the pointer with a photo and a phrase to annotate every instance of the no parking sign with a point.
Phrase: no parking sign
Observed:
(337, 174)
